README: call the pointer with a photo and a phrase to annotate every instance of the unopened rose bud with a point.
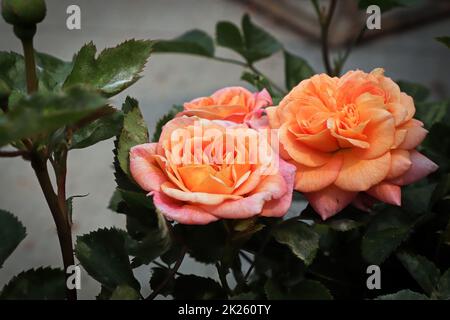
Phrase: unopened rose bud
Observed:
(23, 12)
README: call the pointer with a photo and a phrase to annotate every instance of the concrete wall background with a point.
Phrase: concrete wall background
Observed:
(168, 80)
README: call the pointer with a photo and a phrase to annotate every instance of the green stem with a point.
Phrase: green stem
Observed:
(341, 62)
(11, 154)
(325, 21)
(273, 84)
(223, 277)
(30, 65)
(62, 224)
(252, 68)
(170, 276)
(39, 163)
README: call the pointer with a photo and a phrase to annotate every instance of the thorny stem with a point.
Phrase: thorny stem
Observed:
(170, 276)
(39, 163)
(325, 21)
(61, 221)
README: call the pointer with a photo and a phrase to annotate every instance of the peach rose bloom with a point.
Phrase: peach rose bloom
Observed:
(235, 104)
(195, 181)
(351, 138)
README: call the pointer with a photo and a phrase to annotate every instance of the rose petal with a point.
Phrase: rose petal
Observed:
(380, 132)
(273, 118)
(400, 163)
(144, 169)
(329, 201)
(170, 190)
(421, 166)
(279, 207)
(262, 99)
(271, 187)
(313, 179)
(180, 212)
(415, 133)
(300, 152)
(359, 175)
(387, 192)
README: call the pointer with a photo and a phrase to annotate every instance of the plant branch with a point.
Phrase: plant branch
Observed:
(252, 68)
(341, 61)
(30, 65)
(170, 276)
(100, 113)
(39, 164)
(165, 267)
(325, 21)
(223, 277)
(273, 84)
(11, 154)
(62, 224)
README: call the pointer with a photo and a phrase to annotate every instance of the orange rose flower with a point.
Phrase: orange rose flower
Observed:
(234, 104)
(350, 135)
(202, 170)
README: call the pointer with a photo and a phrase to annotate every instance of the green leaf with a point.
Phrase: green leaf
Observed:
(154, 243)
(104, 294)
(386, 5)
(421, 269)
(300, 238)
(416, 198)
(98, 130)
(305, 290)
(296, 69)
(134, 132)
(103, 255)
(229, 36)
(114, 70)
(259, 43)
(403, 295)
(159, 275)
(432, 112)
(444, 40)
(163, 120)
(194, 238)
(51, 71)
(192, 42)
(443, 287)
(147, 227)
(197, 288)
(12, 232)
(124, 292)
(45, 112)
(417, 91)
(343, 225)
(387, 230)
(39, 284)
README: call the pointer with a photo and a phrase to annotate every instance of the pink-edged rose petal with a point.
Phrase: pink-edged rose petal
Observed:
(144, 169)
(329, 201)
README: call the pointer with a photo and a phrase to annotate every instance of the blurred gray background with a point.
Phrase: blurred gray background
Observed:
(172, 79)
